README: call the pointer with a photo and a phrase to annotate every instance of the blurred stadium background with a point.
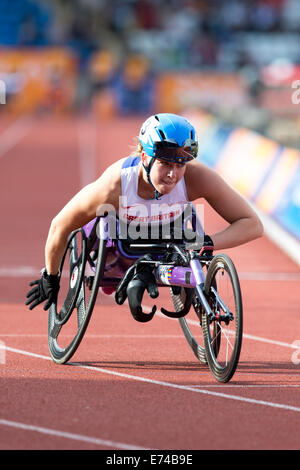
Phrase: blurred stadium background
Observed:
(230, 65)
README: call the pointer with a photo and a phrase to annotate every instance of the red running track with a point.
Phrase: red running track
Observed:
(130, 385)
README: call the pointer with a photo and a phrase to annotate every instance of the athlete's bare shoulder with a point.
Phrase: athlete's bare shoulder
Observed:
(108, 185)
(199, 178)
(113, 171)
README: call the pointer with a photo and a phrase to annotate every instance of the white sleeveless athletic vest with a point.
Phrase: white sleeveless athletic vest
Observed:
(136, 210)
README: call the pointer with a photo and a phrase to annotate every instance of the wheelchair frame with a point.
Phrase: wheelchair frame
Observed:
(182, 272)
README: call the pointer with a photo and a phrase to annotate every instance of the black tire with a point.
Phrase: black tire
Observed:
(223, 338)
(191, 324)
(78, 298)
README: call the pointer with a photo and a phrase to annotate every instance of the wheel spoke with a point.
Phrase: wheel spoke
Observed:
(190, 326)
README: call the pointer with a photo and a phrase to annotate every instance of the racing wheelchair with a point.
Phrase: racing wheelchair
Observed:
(204, 290)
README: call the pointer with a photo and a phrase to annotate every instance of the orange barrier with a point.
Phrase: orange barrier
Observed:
(177, 91)
(38, 78)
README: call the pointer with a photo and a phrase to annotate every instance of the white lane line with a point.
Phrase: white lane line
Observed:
(151, 336)
(24, 271)
(247, 386)
(165, 384)
(14, 133)
(70, 435)
(19, 271)
(91, 335)
(271, 341)
(245, 335)
(260, 276)
(195, 323)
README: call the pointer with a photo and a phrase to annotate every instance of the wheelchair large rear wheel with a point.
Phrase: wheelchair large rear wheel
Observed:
(81, 272)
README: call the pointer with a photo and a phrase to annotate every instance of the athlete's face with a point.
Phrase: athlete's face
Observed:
(165, 175)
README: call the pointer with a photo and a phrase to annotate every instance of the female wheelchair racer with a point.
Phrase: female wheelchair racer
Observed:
(165, 173)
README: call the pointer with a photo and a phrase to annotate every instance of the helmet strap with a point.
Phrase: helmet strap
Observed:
(148, 169)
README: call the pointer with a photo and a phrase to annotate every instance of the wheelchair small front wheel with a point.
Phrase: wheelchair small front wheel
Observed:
(69, 316)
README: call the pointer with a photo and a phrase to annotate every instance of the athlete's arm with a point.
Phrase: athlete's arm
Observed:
(80, 210)
(244, 224)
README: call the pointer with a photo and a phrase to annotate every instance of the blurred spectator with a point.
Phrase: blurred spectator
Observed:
(24, 22)
(265, 17)
(185, 33)
(114, 41)
(81, 36)
(204, 50)
(234, 15)
(102, 70)
(147, 14)
(134, 87)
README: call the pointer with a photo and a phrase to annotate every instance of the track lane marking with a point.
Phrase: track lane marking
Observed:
(12, 135)
(25, 270)
(245, 335)
(163, 383)
(248, 386)
(108, 336)
(192, 322)
(90, 335)
(70, 435)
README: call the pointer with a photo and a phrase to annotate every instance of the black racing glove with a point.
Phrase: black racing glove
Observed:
(208, 241)
(46, 288)
(207, 246)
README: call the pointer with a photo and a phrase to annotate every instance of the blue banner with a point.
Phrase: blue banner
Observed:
(287, 212)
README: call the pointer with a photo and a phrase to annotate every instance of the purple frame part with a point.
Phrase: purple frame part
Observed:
(166, 275)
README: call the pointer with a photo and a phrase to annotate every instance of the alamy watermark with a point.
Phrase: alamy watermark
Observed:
(296, 93)
(153, 221)
(296, 354)
(2, 92)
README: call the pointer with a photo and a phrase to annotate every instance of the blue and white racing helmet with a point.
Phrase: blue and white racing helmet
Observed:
(168, 137)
